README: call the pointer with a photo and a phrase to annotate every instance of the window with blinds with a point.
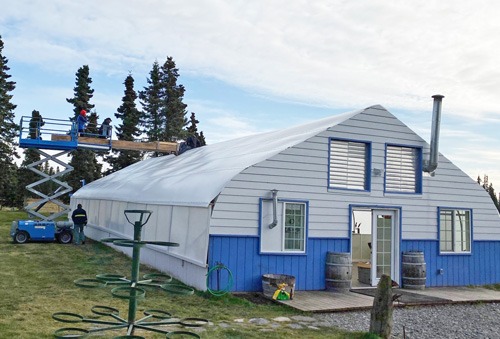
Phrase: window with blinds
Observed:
(402, 172)
(348, 165)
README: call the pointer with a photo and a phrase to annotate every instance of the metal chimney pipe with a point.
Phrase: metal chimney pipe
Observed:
(275, 207)
(431, 164)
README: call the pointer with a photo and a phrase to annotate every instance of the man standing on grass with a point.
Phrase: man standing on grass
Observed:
(79, 218)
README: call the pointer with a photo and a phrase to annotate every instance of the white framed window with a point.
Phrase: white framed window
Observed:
(454, 230)
(403, 169)
(294, 221)
(349, 165)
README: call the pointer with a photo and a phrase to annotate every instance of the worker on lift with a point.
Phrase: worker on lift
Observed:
(82, 122)
(105, 129)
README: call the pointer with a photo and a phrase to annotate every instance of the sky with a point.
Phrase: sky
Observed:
(255, 66)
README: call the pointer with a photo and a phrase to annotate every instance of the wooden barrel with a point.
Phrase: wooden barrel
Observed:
(414, 270)
(338, 271)
(271, 282)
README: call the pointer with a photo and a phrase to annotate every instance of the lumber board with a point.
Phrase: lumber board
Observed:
(159, 146)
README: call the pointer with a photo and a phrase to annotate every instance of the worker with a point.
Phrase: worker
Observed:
(35, 124)
(105, 129)
(82, 121)
(79, 218)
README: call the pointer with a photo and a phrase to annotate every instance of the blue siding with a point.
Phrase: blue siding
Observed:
(241, 256)
(481, 267)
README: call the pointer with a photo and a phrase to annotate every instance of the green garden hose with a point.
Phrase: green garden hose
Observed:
(230, 280)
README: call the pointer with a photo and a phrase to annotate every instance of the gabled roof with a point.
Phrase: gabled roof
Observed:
(197, 176)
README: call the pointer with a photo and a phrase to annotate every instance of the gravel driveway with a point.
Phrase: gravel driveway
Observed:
(455, 321)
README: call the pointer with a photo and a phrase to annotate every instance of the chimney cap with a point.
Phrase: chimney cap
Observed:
(438, 96)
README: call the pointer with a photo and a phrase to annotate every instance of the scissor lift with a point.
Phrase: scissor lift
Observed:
(62, 135)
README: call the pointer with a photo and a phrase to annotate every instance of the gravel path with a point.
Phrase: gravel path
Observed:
(467, 321)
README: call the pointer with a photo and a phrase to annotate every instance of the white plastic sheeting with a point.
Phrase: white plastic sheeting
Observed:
(197, 176)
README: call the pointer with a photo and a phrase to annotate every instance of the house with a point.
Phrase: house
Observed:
(279, 202)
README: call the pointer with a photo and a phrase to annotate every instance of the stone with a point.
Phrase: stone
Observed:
(303, 318)
(259, 321)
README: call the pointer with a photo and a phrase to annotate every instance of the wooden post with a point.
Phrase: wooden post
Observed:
(381, 316)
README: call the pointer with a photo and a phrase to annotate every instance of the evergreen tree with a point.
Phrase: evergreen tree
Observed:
(27, 176)
(84, 162)
(8, 133)
(129, 130)
(150, 100)
(173, 108)
(83, 92)
(491, 192)
(192, 130)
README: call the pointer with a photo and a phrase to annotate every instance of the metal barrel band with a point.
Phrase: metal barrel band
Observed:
(177, 289)
(90, 283)
(133, 292)
(65, 317)
(193, 322)
(158, 314)
(181, 334)
(129, 337)
(104, 310)
(69, 332)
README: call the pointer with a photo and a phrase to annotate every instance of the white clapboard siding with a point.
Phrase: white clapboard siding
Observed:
(301, 172)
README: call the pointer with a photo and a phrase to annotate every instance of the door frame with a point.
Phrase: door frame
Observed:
(396, 236)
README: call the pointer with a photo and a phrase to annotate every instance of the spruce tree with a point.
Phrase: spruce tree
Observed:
(150, 100)
(26, 176)
(84, 162)
(173, 108)
(192, 130)
(8, 133)
(128, 130)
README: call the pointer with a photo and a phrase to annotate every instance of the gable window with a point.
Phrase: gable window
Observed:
(349, 162)
(295, 226)
(403, 169)
(454, 231)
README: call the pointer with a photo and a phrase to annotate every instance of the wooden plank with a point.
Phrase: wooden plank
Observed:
(144, 146)
(60, 137)
(93, 141)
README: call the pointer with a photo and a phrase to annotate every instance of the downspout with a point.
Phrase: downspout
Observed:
(275, 207)
(431, 164)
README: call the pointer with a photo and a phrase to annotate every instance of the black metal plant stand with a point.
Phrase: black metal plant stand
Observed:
(132, 290)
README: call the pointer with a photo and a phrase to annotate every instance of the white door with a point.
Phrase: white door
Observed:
(384, 245)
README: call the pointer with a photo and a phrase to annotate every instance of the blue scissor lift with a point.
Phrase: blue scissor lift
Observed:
(56, 135)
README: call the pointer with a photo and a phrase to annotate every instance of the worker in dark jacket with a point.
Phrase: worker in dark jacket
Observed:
(79, 218)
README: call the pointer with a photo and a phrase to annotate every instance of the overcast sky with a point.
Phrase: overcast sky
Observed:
(253, 66)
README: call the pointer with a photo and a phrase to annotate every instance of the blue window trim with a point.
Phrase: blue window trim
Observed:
(418, 170)
(368, 166)
(306, 235)
(439, 230)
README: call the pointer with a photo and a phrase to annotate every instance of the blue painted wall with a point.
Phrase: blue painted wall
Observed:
(241, 256)
(481, 267)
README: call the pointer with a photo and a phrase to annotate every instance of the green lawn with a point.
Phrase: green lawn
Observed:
(36, 280)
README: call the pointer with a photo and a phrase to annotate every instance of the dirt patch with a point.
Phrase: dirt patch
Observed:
(255, 298)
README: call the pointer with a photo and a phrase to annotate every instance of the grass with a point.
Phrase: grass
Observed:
(37, 280)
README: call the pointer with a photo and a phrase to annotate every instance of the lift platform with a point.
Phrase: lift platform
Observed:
(63, 136)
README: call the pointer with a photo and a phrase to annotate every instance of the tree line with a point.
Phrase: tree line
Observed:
(162, 117)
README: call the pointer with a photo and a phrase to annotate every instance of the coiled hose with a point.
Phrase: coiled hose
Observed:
(229, 284)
